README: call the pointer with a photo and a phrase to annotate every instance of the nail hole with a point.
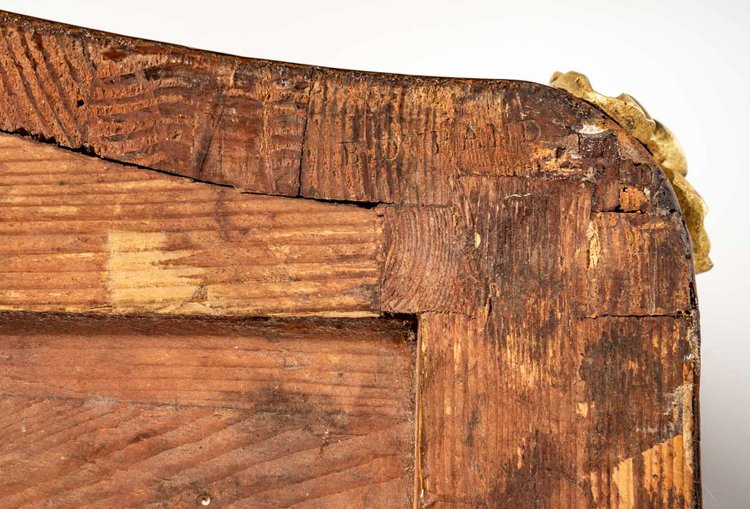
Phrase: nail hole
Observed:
(79, 102)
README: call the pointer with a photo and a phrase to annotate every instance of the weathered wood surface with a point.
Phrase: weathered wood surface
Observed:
(212, 117)
(516, 217)
(79, 234)
(247, 413)
(539, 246)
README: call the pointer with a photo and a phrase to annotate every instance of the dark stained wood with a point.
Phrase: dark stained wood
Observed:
(502, 256)
(248, 413)
(539, 246)
(649, 360)
(409, 139)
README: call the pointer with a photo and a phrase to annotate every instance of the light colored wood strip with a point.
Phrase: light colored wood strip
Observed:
(125, 247)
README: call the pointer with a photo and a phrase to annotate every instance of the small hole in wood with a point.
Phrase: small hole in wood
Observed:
(80, 102)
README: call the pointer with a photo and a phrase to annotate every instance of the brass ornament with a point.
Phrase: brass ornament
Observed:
(662, 144)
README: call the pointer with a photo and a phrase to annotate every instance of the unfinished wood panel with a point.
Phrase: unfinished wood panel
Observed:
(218, 118)
(607, 421)
(642, 454)
(117, 412)
(82, 234)
(493, 432)
(638, 265)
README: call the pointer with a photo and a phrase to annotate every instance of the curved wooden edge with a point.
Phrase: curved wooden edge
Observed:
(540, 245)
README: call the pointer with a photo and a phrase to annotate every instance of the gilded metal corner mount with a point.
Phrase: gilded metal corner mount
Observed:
(662, 144)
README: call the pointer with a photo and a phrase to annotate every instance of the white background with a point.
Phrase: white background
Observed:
(686, 61)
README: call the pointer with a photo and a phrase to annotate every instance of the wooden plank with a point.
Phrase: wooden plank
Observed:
(117, 412)
(570, 432)
(212, 117)
(497, 387)
(81, 234)
(405, 139)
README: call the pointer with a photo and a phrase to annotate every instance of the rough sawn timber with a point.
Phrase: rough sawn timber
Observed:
(540, 247)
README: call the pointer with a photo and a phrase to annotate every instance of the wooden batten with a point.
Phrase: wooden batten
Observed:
(81, 234)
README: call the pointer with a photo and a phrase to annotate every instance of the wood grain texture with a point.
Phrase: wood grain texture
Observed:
(218, 118)
(82, 234)
(159, 412)
(432, 263)
(649, 360)
(521, 336)
(497, 197)
(495, 239)
(402, 139)
(624, 282)
(539, 246)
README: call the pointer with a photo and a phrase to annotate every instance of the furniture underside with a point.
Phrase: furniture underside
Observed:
(241, 283)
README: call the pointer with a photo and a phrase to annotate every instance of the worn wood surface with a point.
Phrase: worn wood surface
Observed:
(245, 412)
(78, 233)
(540, 247)
(526, 230)
(207, 116)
